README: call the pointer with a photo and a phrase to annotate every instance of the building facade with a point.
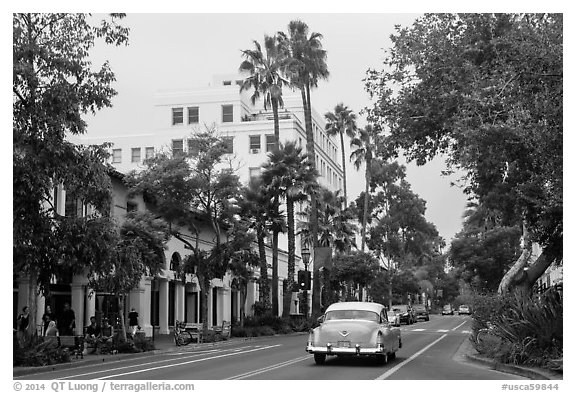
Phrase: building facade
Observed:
(176, 115)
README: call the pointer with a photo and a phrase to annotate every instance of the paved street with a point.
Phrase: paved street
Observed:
(430, 352)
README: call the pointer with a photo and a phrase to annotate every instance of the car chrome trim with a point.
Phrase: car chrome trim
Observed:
(346, 351)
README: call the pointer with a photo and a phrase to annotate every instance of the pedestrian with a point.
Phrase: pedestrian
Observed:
(67, 322)
(93, 335)
(51, 329)
(22, 325)
(47, 312)
(133, 321)
(106, 336)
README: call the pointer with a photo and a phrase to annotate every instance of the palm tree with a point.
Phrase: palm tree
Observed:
(289, 172)
(256, 206)
(306, 68)
(364, 152)
(342, 121)
(335, 226)
(266, 78)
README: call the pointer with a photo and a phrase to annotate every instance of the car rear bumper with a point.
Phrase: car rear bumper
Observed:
(355, 350)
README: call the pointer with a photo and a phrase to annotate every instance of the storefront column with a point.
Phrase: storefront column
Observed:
(144, 311)
(250, 300)
(40, 306)
(226, 304)
(77, 305)
(163, 306)
(179, 294)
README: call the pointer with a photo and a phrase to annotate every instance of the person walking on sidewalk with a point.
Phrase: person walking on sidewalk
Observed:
(133, 321)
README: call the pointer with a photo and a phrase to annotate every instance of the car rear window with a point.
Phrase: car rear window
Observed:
(352, 314)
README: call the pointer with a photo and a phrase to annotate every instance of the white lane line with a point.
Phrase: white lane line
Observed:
(442, 331)
(188, 362)
(466, 331)
(459, 325)
(192, 355)
(269, 368)
(420, 352)
(417, 330)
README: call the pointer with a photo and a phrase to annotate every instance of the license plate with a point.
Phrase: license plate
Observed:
(344, 344)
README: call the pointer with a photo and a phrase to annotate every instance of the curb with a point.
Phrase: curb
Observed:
(470, 354)
(23, 371)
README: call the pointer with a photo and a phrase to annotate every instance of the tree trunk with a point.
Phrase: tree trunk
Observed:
(276, 124)
(291, 256)
(518, 267)
(536, 269)
(366, 199)
(275, 272)
(264, 282)
(122, 337)
(389, 285)
(244, 295)
(313, 203)
(344, 170)
(204, 288)
(32, 304)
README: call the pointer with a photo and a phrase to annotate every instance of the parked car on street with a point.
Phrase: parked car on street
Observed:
(406, 313)
(447, 310)
(464, 309)
(393, 318)
(421, 311)
(354, 329)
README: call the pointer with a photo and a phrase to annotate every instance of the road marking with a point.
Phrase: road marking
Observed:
(269, 368)
(193, 355)
(441, 331)
(466, 331)
(459, 325)
(188, 362)
(418, 330)
(420, 352)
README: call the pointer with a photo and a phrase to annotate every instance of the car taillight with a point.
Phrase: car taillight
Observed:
(380, 338)
(311, 338)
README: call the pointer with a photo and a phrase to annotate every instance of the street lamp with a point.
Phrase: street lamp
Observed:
(305, 253)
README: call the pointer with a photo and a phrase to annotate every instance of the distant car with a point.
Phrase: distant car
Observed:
(393, 318)
(406, 313)
(464, 309)
(354, 329)
(421, 311)
(447, 310)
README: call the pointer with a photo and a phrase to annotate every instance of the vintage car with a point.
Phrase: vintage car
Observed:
(354, 329)
(447, 310)
(464, 309)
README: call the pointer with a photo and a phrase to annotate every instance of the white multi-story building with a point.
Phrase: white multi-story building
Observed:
(176, 115)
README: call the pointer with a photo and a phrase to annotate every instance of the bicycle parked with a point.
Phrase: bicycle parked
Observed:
(181, 335)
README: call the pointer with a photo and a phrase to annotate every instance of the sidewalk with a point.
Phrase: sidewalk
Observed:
(162, 343)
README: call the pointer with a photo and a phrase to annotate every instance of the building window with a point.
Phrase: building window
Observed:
(131, 207)
(116, 156)
(136, 151)
(270, 142)
(192, 148)
(254, 144)
(239, 82)
(193, 115)
(227, 113)
(72, 208)
(177, 116)
(149, 152)
(177, 147)
(227, 83)
(229, 144)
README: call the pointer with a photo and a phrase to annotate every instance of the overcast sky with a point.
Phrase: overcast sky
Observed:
(169, 51)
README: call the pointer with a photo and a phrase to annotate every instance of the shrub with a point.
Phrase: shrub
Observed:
(520, 329)
(143, 343)
(262, 308)
(39, 353)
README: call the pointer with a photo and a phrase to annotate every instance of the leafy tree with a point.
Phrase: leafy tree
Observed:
(290, 173)
(187, 189)
(484, 250)
(53, 85)
(137, 251)
(353, 269)
(307, 67)
(266, 78)
(342, 121)
(486, 91)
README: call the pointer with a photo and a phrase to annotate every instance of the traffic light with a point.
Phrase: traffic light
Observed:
(304, 279)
